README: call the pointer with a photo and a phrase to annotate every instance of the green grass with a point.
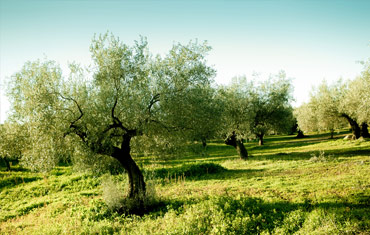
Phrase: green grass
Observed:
(314, 185)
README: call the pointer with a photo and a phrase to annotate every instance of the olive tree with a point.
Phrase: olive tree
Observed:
(13, 141)
(203, 112)
(306, 119)
(356, 102)
(32, 93)
(272, 109)
(132, 100)
(238, 113)
(322, 112)
(325, 100)
(331, 106)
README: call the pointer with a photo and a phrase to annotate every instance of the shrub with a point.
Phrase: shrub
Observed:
(320, 157)
(115, 195)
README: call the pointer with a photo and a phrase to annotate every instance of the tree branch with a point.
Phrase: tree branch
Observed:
(154, 100)
(75, 128)
(116, 122)
(78, 106)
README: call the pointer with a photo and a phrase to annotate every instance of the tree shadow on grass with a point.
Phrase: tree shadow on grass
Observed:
(218, 151)
(200, 171)
(328, 154)
(223, 152)
(14, 180)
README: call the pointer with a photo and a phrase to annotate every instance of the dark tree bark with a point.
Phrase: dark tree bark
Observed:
(356, 131)
(300, 134)
(365, 130)
(204, 143)
(238, 145)
(7, 164)
(332, 134)
(260, 139)
(137, 186)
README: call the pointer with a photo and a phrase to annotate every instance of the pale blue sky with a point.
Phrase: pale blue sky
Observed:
(310, 40)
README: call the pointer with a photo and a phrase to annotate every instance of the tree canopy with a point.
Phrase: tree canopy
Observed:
(126, 98)
(330, 106)
(272, 107)
(13, 139)
(252, 110)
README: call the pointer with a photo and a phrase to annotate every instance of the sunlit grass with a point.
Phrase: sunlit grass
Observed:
(313, 185)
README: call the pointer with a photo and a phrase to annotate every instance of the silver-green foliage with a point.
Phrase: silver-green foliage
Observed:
(251, 109)
(356, 101)
(329, 104)
(32, 92)
(13, 139)
(322, 112)
(126, 89)
(272, 106)
(238, 110)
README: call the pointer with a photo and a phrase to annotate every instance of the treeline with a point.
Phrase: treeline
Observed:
(338, 105)
(132, 102)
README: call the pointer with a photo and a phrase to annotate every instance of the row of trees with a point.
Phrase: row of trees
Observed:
(130, 101)
(338, 105)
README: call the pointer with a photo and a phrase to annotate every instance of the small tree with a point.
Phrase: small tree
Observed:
(306, 119)
(133, 102)
(273, 111)
(203, 113)
(13, 142)
(326, 102)
(238, 113)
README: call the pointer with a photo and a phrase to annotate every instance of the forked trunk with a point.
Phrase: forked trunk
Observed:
(364, 130)
(137, 187)
(238, 145)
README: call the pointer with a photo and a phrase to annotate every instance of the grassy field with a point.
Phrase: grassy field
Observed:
(314, 185)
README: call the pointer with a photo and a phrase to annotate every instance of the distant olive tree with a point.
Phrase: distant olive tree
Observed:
(237, 114)
(129, 101)
(322, 112)
(272, 106)
(251, 110)
(306, 119)
(13, 142)
(325, 100)
(331, 106)
(204, 115)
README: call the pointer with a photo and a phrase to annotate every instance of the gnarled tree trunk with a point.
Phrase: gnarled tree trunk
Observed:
(137, 186)
(238, 145)
(364, 130)
(356, 131)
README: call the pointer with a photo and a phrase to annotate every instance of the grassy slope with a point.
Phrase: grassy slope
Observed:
(304, 186)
